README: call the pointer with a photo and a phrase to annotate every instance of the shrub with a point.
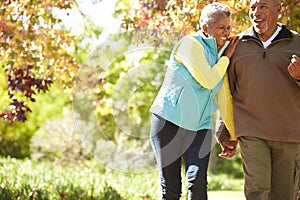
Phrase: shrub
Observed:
(15, 137)
(58, 141)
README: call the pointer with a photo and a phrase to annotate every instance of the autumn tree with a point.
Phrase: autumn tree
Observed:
(167, 20)
(34, 53)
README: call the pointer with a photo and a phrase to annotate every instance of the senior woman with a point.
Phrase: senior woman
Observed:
(181, 127)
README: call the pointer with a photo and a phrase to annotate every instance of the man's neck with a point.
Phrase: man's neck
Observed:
(267, 34)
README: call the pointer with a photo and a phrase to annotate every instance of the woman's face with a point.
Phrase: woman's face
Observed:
(219, 29)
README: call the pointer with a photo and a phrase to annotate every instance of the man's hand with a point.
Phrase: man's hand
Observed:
(228, 148)
(294, 67)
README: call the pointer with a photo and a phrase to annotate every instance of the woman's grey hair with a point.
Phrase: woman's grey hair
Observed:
(212, 12)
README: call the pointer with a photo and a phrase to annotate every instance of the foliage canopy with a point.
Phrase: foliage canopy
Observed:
(34, 52)
(167, 20)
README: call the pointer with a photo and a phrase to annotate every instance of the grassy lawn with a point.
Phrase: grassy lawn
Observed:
(226, 195)
(32, 180)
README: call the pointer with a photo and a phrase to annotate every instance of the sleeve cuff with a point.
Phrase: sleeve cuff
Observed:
(226, 59)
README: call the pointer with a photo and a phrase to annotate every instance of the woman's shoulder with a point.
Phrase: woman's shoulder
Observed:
(191, 39)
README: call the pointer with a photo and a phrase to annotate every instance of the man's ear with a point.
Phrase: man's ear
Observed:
(278, 8)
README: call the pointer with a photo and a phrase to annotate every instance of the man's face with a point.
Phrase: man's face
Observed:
(263, 15)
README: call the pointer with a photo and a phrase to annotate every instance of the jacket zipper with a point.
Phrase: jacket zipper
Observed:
(207, 100)
(279, 40)
(264, 52)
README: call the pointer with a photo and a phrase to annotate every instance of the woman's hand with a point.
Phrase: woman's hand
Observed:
(228, 148)
(234, 40)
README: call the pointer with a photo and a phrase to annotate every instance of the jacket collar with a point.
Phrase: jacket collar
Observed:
(284, 33)
(210, 42)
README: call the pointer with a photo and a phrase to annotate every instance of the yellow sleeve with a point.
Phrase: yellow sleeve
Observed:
(191, 54)
(223, 100)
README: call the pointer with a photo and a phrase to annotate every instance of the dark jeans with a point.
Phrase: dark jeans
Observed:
(171, 144)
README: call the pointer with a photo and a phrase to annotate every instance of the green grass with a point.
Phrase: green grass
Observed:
(27, 179)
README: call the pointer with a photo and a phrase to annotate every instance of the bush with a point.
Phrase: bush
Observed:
(15, 137)
(58, 141)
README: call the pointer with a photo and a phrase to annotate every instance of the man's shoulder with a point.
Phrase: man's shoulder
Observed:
(290, 32)
(295, 33)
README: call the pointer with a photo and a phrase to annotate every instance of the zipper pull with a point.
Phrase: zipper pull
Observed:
(264, 55)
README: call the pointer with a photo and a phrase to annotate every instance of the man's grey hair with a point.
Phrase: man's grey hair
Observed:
(212, 12)
(278, 1)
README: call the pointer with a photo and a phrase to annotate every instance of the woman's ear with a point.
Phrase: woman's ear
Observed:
(204, 29)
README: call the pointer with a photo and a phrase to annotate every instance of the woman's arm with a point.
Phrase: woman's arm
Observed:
(191, 54)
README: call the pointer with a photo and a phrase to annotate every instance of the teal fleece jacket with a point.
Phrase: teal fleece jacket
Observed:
(194, 75)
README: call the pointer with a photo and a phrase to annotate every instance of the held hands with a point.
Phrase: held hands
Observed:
(234, 40)
(228, 148)
(294, 67)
